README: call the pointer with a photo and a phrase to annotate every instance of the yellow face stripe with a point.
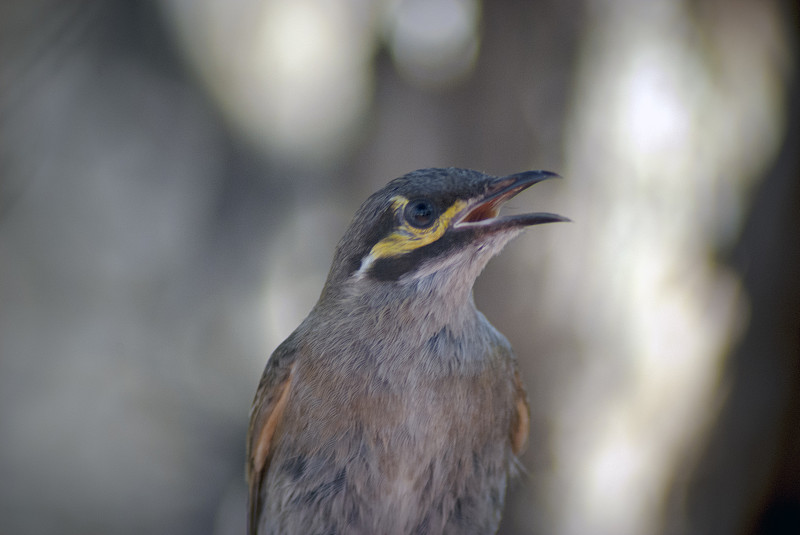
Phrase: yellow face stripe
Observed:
(406, 238)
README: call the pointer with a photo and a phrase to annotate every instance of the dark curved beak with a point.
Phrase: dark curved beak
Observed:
(482, 212)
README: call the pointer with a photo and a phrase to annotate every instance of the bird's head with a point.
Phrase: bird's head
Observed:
(431, 227)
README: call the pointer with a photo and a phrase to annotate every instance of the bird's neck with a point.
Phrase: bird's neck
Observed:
(424, 305)
(399, 321)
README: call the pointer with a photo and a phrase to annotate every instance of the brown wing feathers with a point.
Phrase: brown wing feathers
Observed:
(268, 409)
(521, 421)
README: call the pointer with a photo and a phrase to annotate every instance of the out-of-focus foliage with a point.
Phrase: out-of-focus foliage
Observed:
(174, 177)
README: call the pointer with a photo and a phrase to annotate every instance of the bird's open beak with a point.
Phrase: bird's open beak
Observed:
(482, 212)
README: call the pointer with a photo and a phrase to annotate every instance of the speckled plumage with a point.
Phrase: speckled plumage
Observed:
(395, 407)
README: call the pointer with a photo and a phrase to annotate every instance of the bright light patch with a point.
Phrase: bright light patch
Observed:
(654, 117)
(434, 42)
(661, 146)
(294, 76)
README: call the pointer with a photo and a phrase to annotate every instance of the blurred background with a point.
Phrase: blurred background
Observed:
(174, 177)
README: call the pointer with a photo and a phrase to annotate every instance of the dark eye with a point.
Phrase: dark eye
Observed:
(420, 213)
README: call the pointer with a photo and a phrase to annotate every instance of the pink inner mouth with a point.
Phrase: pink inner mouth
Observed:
(484, 211)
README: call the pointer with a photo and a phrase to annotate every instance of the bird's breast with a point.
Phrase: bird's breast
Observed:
(395, 430)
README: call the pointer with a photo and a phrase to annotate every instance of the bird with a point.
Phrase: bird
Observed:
(395, 407)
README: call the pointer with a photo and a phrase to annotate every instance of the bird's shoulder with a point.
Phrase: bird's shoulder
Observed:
(266, 415)
(521, 413)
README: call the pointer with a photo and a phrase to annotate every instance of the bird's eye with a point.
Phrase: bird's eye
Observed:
(420, 213)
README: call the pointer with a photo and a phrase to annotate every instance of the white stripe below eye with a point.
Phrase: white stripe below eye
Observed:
(366, 262)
